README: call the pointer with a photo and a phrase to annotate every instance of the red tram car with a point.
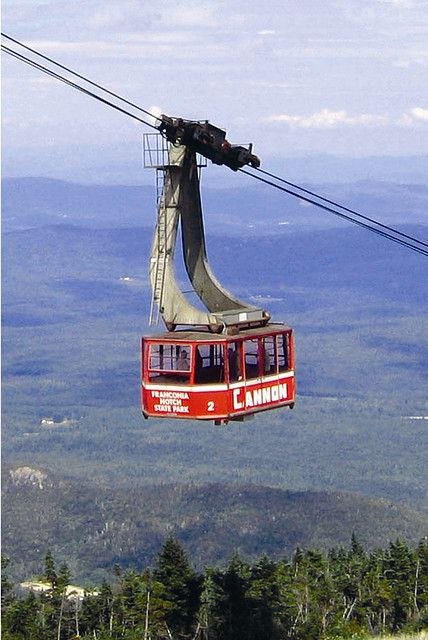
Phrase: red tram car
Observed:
(205, 376)
(227, 362)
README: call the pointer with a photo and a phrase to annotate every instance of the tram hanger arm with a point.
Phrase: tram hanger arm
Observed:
(209, 141)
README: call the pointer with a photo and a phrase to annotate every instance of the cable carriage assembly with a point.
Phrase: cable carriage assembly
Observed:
(229, 361)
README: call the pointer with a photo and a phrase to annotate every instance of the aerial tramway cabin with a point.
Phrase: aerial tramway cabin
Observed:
(226, 361)
(205, 376)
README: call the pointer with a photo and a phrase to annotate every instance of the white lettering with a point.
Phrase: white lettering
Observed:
(257, 397)
(257, 393)
(236, 403)
(266, 394)
(173, 401)
(181, 409)
(182, 395)
(282, 391)
(162, 408)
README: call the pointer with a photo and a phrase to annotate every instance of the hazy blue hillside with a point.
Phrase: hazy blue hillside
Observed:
(29, 202)
(358, 305)
(86, 164)
(249, 209)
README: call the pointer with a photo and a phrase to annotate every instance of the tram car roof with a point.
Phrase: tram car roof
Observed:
(204, 335)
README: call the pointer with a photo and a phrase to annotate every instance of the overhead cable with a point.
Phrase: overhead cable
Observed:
(384, 234)
(78, 75)
(61, 78)
(339, 206)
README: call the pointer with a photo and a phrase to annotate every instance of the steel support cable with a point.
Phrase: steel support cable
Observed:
(78, 87)
(74, 85)
(336, 204)
(384, 234)
(78, 75)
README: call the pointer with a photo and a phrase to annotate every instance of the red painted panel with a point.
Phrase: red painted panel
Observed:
(186, 402)
(223, 402)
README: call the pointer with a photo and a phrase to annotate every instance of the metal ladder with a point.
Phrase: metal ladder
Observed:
(161, 254)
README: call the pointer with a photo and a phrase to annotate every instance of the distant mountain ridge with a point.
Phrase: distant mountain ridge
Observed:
(87, 164)
(94, 525)
(247, 209)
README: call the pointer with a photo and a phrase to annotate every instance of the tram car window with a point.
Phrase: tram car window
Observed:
(209, 365)
(251, 349)
(170, 363)
(268, 350)
(283, 346)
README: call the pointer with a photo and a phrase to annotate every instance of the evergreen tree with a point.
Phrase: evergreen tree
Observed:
(376, 594)
(347, 569)
(7, 595)
(22, 620)
(235, 610)
(319, 594)
(134, 600)
(288, 609)
(301, 586)
(100, 612)
(49, 573)
(65, 618)
(357, 549)
(263, 597)
(180, 587)
(63, 577)
(211, 600)
(55, 608)
(420, 591)
(400, 574)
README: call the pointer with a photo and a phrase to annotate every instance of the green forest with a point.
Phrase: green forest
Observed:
(342, 593)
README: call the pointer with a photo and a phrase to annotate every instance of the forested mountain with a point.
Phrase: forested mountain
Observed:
(93, 525)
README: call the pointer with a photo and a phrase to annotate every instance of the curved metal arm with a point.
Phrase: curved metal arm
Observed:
(181, 200)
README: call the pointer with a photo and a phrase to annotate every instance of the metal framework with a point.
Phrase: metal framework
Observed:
(179, 200)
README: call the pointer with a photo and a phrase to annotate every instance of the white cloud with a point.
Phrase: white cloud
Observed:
(401, 4)
(107, 16)
(191, 16)
(414, 116)
(419, 113)
(157, 45)
(327, 119)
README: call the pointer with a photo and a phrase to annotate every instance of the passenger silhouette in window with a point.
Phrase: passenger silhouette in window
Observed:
(182, 362)
(233, 354)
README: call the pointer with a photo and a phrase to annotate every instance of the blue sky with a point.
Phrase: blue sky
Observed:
(295, 77)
